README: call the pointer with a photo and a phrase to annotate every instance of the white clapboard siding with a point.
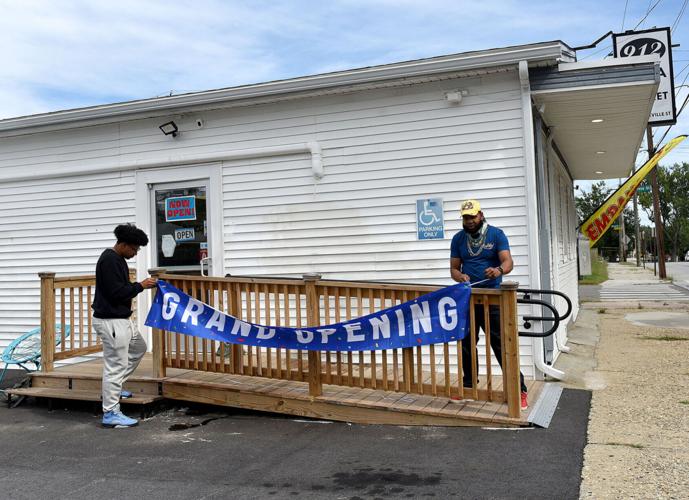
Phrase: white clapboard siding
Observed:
(359, 221)
(60, 225)
(382, 150)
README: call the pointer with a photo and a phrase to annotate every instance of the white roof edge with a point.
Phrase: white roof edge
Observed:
(606, 63)
(561, 90)
(544, 51)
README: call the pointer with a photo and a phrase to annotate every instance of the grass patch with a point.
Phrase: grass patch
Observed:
(599, 273)
(666, 338)
(630, 445)
(601, 311)
(685, 402)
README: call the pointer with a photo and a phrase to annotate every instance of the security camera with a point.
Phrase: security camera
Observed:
(199, 123)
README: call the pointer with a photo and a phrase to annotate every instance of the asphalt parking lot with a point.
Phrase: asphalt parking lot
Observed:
(212, 452)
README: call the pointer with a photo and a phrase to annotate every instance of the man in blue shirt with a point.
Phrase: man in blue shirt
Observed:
(480, 254)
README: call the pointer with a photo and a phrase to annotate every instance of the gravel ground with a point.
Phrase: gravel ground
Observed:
(638, 443)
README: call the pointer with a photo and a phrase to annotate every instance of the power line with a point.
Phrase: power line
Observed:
(647, 13)
(679, 16)
(624, 16)
(678, 113)
(677, 91)
(607, 47)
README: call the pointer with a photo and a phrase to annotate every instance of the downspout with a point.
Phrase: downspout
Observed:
(316, 159)
(532, 209)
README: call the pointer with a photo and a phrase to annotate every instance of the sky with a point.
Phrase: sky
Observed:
(63, 54)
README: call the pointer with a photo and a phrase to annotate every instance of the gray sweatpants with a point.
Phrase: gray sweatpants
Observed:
(123, 348)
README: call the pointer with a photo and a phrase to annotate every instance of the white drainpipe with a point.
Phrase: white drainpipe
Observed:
(181, 159)
(532, 208)
(316, 159)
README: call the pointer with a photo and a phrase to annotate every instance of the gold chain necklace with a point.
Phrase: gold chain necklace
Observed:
(476, 247)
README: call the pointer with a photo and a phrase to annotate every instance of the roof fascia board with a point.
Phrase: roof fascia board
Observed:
(606, 63)
(594, 87)
(548, 51)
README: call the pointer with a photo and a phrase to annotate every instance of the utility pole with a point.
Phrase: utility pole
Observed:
(656, 207)
(623, 238)
(637, 240)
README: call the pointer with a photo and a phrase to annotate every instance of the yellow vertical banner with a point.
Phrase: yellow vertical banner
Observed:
(602, 219)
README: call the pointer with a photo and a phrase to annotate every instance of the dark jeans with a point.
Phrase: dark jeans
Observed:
(479, 323)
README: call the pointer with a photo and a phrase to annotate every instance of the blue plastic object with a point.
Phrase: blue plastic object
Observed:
(27, 349)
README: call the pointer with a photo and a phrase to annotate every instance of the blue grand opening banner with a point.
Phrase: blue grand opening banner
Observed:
(437, 317)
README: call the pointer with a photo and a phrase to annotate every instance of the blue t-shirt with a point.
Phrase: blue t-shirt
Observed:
(475, 266)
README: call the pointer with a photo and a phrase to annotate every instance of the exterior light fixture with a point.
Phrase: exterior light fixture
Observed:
(600, 152)
(597, 120)
(598, 172)
(169, 128)
(455, 96)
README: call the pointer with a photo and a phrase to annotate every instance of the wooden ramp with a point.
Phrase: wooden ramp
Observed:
(82, 381)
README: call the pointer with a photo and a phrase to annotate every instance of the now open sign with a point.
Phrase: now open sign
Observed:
(180, 208)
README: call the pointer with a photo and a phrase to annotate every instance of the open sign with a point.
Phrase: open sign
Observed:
(184, 234)
(180, 208)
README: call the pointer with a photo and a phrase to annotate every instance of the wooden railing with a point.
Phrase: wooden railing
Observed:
(67, 301)
(432, 370)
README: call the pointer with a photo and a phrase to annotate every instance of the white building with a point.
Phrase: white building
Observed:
(322, 173)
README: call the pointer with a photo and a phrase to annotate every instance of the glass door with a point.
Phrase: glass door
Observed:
(180, 226)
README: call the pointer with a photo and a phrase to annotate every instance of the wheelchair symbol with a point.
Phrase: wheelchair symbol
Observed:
(427, 216)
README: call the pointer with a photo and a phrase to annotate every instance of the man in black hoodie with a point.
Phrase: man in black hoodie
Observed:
(123, 345)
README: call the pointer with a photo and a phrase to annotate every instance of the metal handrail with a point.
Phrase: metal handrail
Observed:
(556, 318)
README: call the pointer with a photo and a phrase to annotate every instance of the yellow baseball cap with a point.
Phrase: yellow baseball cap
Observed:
(470, 207)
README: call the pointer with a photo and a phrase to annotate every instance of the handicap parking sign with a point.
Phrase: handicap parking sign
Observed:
(429, 219)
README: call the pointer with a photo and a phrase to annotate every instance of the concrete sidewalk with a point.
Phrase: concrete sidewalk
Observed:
(632, 356)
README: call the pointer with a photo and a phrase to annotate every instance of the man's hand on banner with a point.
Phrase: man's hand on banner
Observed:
(149, 282)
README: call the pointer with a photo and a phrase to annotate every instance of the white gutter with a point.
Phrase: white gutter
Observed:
(547, 51)
(532, 209)
(608, 63)
(313, 148)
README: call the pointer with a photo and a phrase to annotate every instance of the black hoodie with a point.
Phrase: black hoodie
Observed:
(114, 292)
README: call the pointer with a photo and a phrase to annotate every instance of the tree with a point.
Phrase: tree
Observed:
(673, 184)
(588, 203)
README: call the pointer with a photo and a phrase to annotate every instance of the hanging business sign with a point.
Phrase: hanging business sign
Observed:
(648, 42)
(180, 208)
(429, 219)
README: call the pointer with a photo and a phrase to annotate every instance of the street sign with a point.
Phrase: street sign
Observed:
(429, 219)
(643, 189)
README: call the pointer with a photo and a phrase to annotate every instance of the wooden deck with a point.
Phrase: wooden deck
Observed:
(351, 404)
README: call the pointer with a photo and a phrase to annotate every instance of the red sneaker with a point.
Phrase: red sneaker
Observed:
(525, 401)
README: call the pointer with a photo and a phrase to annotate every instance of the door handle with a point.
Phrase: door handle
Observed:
(205, 260)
